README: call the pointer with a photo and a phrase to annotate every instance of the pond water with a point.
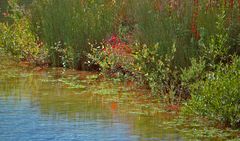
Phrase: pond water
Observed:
(56, 104)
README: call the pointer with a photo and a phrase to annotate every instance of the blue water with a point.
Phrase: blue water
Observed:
(32, 108)
(23, 122)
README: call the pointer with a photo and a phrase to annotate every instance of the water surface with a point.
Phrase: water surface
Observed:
(57, 104)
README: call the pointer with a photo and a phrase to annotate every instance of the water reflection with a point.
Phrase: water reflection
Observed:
(36, 106)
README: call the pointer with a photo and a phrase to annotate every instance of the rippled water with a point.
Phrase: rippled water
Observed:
(39, 105)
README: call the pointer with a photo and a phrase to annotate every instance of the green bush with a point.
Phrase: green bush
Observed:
(217, 97)
(156, 69)
(193, 73)
(213, 51)
(18, 40)
(213, 78)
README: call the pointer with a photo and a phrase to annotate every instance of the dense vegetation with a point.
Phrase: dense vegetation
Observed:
(179, 49)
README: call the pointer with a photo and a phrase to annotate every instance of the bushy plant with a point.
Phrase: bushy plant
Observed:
(213, 51)
(113, 56)
(193, 73)
(156, 69)
(18, 40)
(217, 97)
(214, 80)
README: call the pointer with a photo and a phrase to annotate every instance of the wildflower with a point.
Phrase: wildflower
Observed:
(116, 46)
(114, 40)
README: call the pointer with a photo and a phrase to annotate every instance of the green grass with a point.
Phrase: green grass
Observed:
(67, 26)
(71, 25)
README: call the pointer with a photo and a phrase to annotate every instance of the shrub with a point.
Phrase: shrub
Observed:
(18, 40)
(193, 73)
(214, 80)
(114, 56)
(218, 96)
(213, 51)
(156, 69)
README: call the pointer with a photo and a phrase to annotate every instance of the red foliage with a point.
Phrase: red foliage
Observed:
(117, 46)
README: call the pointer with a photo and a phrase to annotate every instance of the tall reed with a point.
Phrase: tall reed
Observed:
(71, 25)
(164, 22)
(188, 23)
